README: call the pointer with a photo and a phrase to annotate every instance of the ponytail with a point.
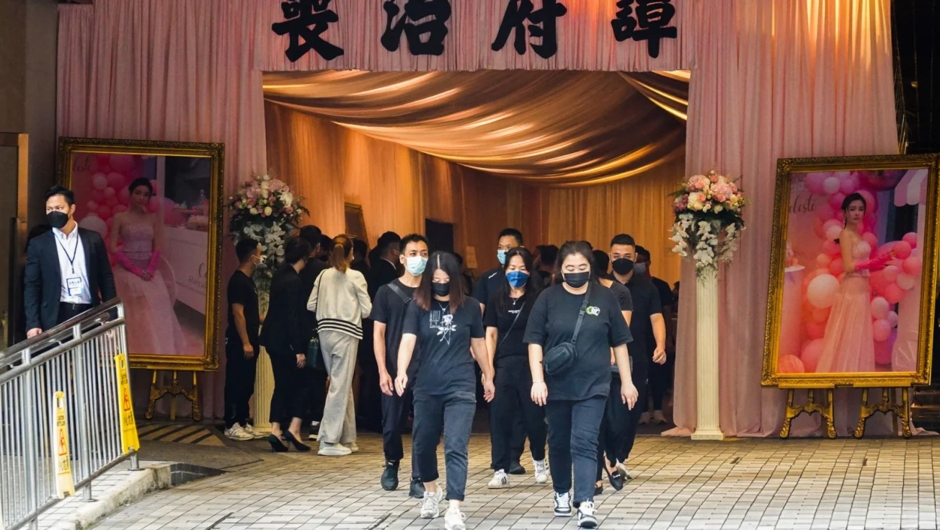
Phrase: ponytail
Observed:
(342, 246)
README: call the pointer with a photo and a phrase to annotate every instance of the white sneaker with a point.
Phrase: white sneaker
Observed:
(658, 417)
(562, 504)
(314, 431)
(454, 520)
(622, 468)
(541, 471)
(645, 418)
(586, 515)
(431, 505)
(236, 433)
(333, 450)
(500, 480)
(251, 430)
(353, 447)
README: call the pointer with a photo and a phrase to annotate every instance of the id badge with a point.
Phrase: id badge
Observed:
(75, 286)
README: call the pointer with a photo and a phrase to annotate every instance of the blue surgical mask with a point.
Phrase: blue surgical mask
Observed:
(501, 256)
(415, 265)
(517, 279)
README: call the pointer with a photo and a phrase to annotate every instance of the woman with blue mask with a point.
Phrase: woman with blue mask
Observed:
(507, 313)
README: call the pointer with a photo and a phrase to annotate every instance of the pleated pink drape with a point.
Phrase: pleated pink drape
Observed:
(773, 79)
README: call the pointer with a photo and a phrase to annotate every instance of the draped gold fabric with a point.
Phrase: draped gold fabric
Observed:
(557, 128)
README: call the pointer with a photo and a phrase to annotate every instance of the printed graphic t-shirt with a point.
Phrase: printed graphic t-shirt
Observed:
(442, 351)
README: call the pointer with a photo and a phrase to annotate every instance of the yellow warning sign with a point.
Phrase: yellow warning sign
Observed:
(129, 440)
(63, 465)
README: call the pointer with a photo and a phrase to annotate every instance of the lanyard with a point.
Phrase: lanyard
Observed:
(74, 251)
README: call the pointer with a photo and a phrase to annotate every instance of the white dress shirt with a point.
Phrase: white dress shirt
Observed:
(70, 246)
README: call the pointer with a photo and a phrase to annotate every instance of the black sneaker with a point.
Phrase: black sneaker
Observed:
(516, 468)
(390, 477)
(417, 489)
(598, 490)
(616, 480)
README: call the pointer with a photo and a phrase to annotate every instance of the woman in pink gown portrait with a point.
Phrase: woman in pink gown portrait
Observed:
(152, 326)
(848, 345)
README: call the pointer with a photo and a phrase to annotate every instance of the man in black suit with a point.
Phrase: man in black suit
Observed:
(384, 269)
(67, 268)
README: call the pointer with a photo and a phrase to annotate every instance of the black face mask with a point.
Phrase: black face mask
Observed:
(441, 289)
(57, 219)
(577, 279)
(623, 266)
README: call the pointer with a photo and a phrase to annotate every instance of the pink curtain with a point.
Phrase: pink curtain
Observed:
(166, 70)
(772, 79)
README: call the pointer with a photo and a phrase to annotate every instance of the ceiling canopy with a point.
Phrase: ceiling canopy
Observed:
(558, 128)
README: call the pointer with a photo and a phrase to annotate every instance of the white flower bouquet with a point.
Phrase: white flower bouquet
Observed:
(708, 220)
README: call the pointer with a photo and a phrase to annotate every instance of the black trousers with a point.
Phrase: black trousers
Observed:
(614, 426)
(573, 428)
(290, 388)
(395, 410)
(239, 383)
(451, 415)
(316, 390)
(511, 405)
(69, 311)
(660, 381)
(641, 366)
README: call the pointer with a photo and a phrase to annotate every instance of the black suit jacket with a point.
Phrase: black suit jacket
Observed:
(382, 273)
(42, 288)
(283, 332)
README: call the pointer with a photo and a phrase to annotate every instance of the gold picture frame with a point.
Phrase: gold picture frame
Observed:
(898, 177)
(188, 227)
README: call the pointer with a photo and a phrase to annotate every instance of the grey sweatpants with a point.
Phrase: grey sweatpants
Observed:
(339, 414)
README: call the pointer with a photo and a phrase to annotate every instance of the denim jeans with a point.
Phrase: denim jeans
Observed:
(573, 428)
(450, 414)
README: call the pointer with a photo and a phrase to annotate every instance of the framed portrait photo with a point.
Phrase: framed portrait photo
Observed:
(853, 273)
(158, 206)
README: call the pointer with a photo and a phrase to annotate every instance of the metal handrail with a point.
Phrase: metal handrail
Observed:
(79, 360)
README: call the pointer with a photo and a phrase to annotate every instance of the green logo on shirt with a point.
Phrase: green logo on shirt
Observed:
(593, 310)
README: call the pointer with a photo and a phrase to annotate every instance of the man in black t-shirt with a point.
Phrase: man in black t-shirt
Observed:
(388, 313)
(660, 374)
(487, 285)
(241, 341)
(647, 326)
(308, 275)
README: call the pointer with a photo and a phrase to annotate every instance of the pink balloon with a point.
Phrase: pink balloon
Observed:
(116, 180)
(902, 250)
(810, 354)
(790, 364)
(912, 266)
(892, 319)
(104, 211)
(831, 185)
(871, 205)
(836, 267)
(820, 315)
(120, 208)
(111, 201)
(906, 282)
(835, 201)
(880, 330)
(814, 182)
(884, 349)
(109, 192)
(891, 273)
(879, 308)
(822, 291)
(99, 181)
(124, 196)
(823, 260)
(154, 204)
(893, 294)
(93, 222)
(878, 282)
(871, 239)
(911, 239)
(884, 180)
(815, 330)
(122, 163)
(91, 206)
(97, 195)
(833, 231)
(849, 185)
(171, 217)
(831, 247)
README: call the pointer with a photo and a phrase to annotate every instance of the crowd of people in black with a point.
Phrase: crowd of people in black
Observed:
(568, 346)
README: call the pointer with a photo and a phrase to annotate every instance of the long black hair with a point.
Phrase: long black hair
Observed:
(532, 287)
(446, 262)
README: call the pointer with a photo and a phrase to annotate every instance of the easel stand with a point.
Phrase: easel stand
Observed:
(824, 410)
(888, 404)
(173, 389)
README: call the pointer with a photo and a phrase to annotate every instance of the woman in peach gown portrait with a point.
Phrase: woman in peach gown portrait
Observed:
(152, 326)
(848, 345)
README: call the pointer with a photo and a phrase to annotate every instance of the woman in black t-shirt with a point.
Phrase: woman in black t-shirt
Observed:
(507, 313)
(575, 399)
(447, 327)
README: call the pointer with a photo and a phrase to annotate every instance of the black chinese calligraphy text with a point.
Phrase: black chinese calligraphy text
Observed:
(542, 24)
(425, 37)
(649, 23)
(306, 21)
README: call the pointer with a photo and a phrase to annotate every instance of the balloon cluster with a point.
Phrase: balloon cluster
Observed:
(821, 286)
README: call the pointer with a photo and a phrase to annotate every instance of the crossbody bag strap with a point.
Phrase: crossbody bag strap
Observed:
(584, 304)
(397, 290)
(500, 345)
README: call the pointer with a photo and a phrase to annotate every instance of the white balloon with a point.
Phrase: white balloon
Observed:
(879, 308)
(906, 281)
(821, 292)
(93, 222)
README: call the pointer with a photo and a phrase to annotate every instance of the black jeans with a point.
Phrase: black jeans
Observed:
(573, 428)
(613, 427)
(316, 380)
(395, 411)
(660, 381)
(290, 388)
(641, 366)
(513, 403)
(451, 415)
(239, 382)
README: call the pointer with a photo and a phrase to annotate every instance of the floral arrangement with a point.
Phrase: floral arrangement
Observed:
(264, 209)
(708, 220)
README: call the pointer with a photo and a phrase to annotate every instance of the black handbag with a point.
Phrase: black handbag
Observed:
(559, 358)
(314, 354)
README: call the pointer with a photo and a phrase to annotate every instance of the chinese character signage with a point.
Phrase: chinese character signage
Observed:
(427, 35)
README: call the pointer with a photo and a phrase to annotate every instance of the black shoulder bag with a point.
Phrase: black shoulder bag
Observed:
(561, 357)
(314, 353)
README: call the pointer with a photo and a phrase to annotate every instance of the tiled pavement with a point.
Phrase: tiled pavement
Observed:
(795, 484)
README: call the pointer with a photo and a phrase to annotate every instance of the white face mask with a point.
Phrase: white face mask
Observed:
(415, 265)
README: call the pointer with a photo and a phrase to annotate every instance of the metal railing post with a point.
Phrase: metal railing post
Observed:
(135, 465)
(81, 396)
(31, 437)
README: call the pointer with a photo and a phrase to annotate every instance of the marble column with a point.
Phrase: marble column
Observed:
(706, 324)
